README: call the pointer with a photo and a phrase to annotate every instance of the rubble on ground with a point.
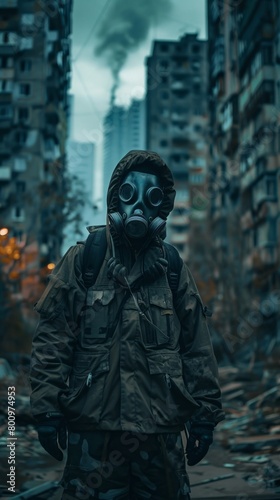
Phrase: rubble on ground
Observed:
(251, 430)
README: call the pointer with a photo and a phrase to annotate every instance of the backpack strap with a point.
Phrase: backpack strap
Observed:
(94, 253)
(174, 266)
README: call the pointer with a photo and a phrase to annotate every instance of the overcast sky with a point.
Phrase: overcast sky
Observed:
(92, 78)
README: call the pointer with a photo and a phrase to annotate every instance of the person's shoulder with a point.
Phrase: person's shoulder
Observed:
(71, 260)
(74, 250)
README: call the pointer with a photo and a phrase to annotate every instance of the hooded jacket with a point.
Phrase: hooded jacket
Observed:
(135, 358)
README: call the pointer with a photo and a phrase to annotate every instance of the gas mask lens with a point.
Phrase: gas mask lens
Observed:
(154, 196)
(127, 192)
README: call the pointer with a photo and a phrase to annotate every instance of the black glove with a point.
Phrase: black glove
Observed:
(158, 269)
(52, 432)
(199, 440)
(117, 271)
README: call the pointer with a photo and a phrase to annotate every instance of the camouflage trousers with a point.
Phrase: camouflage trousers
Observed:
(125, 466)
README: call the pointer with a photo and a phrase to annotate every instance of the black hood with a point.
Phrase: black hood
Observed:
(152, 161)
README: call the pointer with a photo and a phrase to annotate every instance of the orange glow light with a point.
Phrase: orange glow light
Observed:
(51, 266)
(4, 231)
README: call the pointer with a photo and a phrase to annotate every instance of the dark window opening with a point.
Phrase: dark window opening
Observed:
(3, 62)
(164, 47)
(23, 114)
(164, 95)
(25, 89)
(25, 65)
(20, 187)
(21, 137)
(196, 48)
(164, 64)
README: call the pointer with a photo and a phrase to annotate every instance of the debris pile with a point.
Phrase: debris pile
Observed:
(251, 430)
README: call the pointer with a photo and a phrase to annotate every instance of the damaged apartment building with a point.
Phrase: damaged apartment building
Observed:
(244, 76)
(34, 83)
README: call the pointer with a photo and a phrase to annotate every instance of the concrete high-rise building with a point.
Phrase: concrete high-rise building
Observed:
(114, 141)
(124, 130)
(80, 165)
(177, 127)
(259, 77)
(244, 93)
(34, 83)
(135, 126)
(80, 158)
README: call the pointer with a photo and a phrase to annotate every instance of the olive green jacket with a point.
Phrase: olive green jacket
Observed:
(115, 359)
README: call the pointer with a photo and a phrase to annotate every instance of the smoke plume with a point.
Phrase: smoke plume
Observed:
(125, 27)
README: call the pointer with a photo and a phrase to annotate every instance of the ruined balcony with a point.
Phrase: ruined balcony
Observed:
(217, 64)
(247, 220)
(230, 140)
(7, 73)
(265, 190)
(266, 116)
(256, 23)
(229, 125)
(5, 174)
(9, 43)
(248, 178)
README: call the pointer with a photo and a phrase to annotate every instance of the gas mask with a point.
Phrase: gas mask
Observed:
(140, 197)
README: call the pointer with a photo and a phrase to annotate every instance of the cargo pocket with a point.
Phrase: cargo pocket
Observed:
(171, 403)
(159, 330)
(81, 368)
(83, 401)
(52, 300)
(95, 323)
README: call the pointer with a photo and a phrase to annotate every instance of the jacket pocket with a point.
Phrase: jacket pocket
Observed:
(83, 401)
(95, 318)
(52, 299)
(171, 403)
(158, 324)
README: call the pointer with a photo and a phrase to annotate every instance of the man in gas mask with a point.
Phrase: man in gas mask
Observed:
(124, 362)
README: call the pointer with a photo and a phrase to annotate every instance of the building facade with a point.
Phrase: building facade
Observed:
(245, 145)
(80, 166)
(177, 128)
(34, 82)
